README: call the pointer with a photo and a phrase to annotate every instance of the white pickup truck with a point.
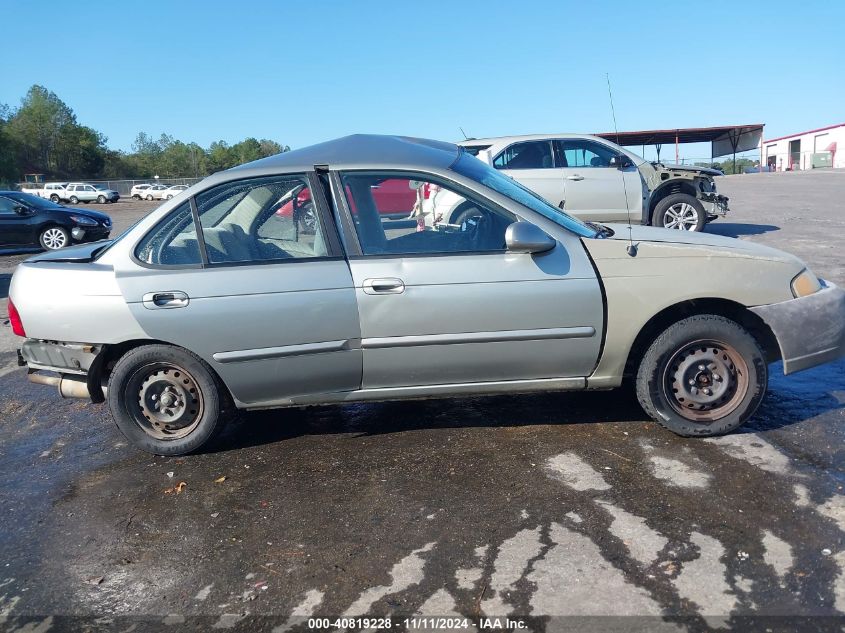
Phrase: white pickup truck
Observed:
(75, 192)
(55, 191)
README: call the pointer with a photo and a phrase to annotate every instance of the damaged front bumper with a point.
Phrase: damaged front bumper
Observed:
(809, 330)
(714, 204)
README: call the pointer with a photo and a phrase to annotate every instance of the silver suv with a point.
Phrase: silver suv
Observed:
(595, 179)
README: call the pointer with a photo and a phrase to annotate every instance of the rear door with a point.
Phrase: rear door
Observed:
(269, 306)
(532, 164)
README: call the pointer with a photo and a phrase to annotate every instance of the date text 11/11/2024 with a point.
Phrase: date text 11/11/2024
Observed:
(418, 623)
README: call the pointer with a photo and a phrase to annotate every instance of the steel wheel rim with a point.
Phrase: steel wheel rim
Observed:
(54, 239)
(681, 216)
(309, 218)
(164, 400)
(705, 380)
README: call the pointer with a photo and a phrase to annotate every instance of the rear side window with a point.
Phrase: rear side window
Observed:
(173, 242)
(526, 155)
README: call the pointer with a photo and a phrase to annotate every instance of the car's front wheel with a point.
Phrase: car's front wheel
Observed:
(54, 198)
(166, 400)
(101, 199)
(53, 238)
(680, 211)
(73, 200)
(704, 375)
(149, 196)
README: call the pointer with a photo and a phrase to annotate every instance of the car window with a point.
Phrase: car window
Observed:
(583, 153)
(261, 219)
(7, 207)
(409, 214)
(173, 241)
(526, 155)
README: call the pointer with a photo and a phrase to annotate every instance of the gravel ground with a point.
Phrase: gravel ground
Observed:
(563, 511)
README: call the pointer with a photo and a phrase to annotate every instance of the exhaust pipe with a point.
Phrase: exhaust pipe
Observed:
(70, 386)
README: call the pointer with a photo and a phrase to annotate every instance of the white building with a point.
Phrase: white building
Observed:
(824, 147)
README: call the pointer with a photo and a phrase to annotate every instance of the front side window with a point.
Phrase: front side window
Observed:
(261, 219)
(7, 207)
(584, 153)
(402, 214)
(173, 241)
(526, 155)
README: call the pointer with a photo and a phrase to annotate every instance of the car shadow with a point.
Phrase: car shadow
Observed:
(783, 407)
(737, 229)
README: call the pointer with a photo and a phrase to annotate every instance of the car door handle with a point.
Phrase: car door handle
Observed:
(575, 177)
(386, 286)
(165, 300)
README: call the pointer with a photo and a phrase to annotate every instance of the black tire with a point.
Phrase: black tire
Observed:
(679, 395)
(306, 219)
(464, 212)
(54, 198)
(679, 204)
(53, 238)
(73, 200)
(149, 197)
(199, 407)
(135, 196)
(101, 199)
(169, 196)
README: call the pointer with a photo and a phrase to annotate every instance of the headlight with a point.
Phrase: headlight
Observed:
(805, 283)
(83, 221)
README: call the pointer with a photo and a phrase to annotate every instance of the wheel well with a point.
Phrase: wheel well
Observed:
(672, 187)
(721, 307)
(106, 360)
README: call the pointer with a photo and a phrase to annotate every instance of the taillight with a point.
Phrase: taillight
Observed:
(15, 320)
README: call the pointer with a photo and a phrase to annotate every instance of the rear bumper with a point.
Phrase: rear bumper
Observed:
(810, 330)
(72, 367)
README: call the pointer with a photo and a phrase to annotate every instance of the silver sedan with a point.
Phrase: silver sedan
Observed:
(316, 277)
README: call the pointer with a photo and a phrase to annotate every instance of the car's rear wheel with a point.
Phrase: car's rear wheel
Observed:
(166, 400)
(53, 238)
(704, 375)
(149, 196)
(101, 199)
(169, 196)
(680, 211)
(54, 198)
(73, 200)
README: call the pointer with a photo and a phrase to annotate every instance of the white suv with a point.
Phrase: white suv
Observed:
(139, 191)
(594, 179)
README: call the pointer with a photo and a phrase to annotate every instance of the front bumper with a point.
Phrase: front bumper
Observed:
(92, 234)
(714, 204)
(810, 330)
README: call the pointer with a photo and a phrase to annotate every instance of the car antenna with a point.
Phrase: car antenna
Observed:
(466, 138)
(632, 248)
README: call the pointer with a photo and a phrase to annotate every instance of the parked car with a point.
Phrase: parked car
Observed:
(77, 192)
(139, 191)
(54, 191)
(594, 179)
(168, 192)
(152, 191)
(215, 303)
(27, 220)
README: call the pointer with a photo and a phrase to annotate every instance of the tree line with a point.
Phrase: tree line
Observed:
(42, 136)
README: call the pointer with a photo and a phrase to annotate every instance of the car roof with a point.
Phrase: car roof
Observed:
(362, 151)
(507, 140)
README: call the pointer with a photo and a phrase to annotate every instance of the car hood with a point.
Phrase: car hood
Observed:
(650, 234)
(88, 213)
(692, 168)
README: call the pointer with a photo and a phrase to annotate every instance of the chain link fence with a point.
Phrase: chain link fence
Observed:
(122, 186)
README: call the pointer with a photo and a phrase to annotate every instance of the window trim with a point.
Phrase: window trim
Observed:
(349, 224)
(536, 140)
(335, 252)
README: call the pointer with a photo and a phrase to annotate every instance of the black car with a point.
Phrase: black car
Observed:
(29, 220)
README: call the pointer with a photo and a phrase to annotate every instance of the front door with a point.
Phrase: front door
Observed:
(595, 190)
(265, 300)
(447, 304)
(13, 226)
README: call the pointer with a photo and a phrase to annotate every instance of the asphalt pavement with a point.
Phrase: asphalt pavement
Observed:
(565, 511)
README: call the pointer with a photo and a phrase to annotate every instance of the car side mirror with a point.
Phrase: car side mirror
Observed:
(524, 237)
(620, 162)
(21, 209)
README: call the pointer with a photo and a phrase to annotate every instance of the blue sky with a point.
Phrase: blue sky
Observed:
(302, 72)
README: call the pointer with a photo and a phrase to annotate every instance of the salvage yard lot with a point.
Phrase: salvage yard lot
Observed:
(540, 505)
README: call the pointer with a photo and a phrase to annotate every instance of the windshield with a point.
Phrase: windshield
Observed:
(482, 173)
(32, 201)
(101, 188)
